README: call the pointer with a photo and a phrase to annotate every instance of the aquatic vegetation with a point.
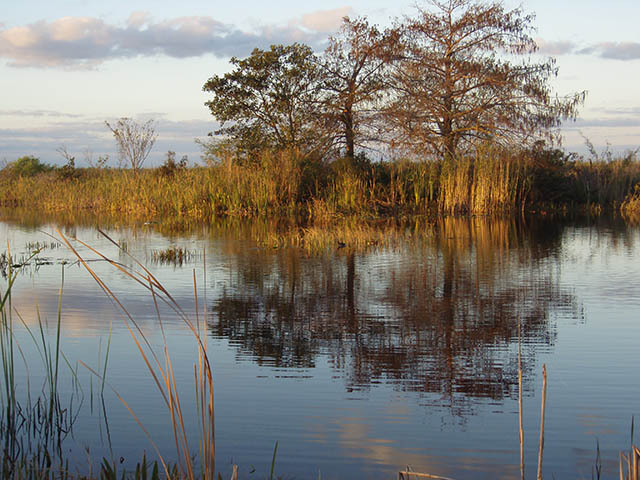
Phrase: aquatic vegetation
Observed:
(173, 255)
(631, 205)
(32, 430)
(487, 181)
(159, 367)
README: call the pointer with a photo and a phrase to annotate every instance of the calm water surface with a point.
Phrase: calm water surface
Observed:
(358, 362)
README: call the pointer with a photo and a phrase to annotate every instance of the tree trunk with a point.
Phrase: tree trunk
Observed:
(349, 135)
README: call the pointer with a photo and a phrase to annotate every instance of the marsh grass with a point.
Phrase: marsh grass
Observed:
(487, 181)
(630, 464)
(605, 182)
(160, 368)
(32, 430)
(172, 255)
(631, 205)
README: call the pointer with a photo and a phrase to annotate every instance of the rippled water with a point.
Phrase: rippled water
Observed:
(358, 361)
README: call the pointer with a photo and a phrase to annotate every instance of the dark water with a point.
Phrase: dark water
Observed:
(359, 362)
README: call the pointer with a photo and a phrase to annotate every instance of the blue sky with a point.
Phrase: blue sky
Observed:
(67, 66)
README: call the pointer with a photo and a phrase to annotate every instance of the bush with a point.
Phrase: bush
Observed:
(27, 166)
(552, 180)
(68, 171)
(171, 166)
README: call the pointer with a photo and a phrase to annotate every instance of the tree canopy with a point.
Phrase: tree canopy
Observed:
(457, 73)
(353, 80)
(456, 81)
(269, 100)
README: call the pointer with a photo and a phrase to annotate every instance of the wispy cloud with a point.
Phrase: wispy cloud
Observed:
(323, 21)
(618, 50)
(560, 47)
(37, 113)
(620, 122)
(84, 42)
(611, 50)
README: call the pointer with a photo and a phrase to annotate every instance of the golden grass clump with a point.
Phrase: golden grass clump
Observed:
(487, 181)
(631, 205)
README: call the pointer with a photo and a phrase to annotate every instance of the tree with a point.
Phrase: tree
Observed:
(27, 166)
(353, 80)
(269, 101)
(456, 81)
(134, 140)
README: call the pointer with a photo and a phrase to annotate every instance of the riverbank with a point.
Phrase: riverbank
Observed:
(291, 185)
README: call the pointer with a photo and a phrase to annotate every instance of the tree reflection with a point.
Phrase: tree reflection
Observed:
(438, 314)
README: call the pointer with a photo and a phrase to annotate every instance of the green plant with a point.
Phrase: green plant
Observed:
(32, 431)
(27, 166)
(68, 171)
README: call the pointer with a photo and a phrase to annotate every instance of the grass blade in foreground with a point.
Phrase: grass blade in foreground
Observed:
(162, 372)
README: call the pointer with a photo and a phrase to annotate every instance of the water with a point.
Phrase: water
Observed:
(358, 362)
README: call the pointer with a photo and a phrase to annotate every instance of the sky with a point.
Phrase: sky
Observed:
(67, 66)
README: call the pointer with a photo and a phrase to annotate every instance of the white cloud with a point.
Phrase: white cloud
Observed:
(19, 37)
(610, 50)
(326, 21)
(138, 19)
(84, 42)
(619, 50)
(560, 47)
(37, 113)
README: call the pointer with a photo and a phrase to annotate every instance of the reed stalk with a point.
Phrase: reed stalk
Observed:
(520, 410)
(162, 371)
(33, 430)
(542, 412)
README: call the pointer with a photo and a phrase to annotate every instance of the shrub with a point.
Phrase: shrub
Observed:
(171, 166)
(68, 171)
(27, 166)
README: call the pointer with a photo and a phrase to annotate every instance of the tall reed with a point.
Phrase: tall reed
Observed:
(491, 182)
(32, 431)
(160, 368)
(486, 181)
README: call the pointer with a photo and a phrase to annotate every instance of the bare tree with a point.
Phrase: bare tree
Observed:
(134, 140)
(64, 153)
(97, 164)
(353, 80)
(456, 82)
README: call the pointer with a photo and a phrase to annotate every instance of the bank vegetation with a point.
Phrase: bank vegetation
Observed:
(494, 181)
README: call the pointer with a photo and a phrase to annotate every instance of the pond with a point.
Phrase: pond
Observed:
(390, 347)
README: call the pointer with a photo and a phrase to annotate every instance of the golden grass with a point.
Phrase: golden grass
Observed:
(630, 207)
(490, 181)
(160, 368)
